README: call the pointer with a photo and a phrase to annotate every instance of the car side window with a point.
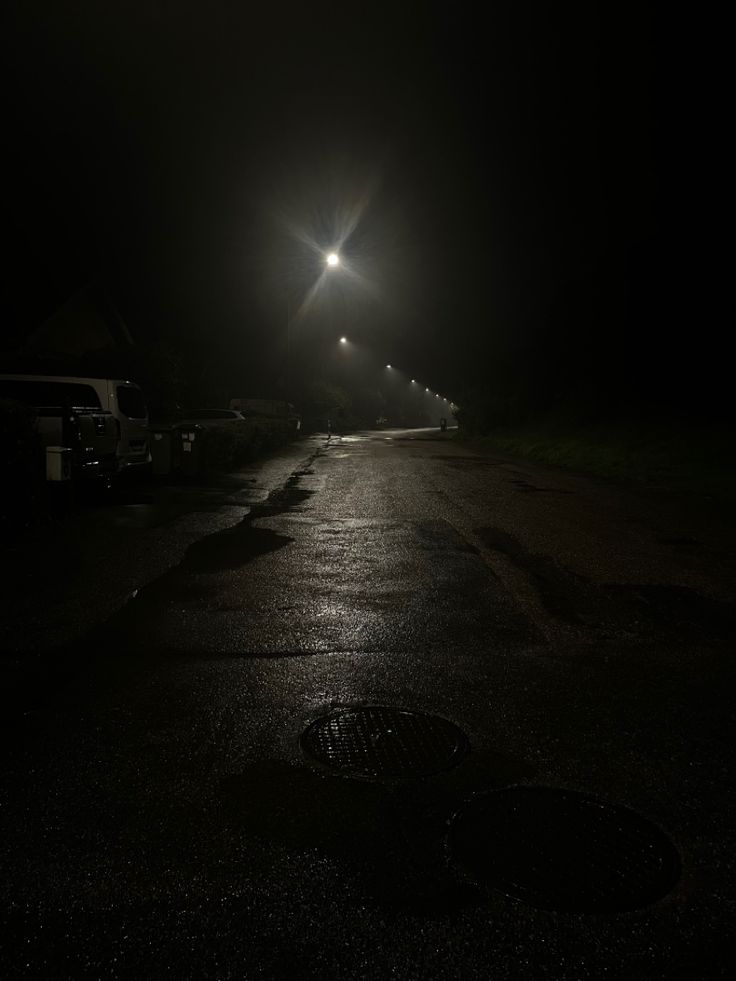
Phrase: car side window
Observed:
(131, 402)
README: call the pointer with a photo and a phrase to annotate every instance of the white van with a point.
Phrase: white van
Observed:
(124, 399)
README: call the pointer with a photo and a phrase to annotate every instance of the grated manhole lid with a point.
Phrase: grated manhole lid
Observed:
(374, 741)
(560, 850)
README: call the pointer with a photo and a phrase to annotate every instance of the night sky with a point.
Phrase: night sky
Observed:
(530, 190)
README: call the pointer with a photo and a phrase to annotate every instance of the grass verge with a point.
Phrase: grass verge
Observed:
(686, 458)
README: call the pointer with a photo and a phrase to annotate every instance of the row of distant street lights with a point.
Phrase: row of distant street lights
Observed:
(333, 260)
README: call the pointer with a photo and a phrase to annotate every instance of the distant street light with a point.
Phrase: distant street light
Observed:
(413, 381)
(333, 259)
(388, 365)
(426, 389)
(343, 340)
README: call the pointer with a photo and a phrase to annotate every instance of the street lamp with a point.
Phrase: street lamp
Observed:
(333, 259)
(388, 365)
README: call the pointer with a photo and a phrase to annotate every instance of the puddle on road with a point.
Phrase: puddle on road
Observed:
(644, 610)
(551, 583)
(236, 546)
(232, 548)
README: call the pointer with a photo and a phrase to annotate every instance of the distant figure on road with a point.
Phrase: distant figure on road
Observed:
(443, 424)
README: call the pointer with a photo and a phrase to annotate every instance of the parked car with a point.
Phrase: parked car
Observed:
(210, 418)
(122, 399)
(86, 434)
(270, 408)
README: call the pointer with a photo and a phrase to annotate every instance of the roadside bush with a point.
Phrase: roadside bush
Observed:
(227, 447)
(22, 489)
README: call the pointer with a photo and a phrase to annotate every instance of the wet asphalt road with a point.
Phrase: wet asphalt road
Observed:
(161, 818)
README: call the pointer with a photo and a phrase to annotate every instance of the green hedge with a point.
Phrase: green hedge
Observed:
(227, 447)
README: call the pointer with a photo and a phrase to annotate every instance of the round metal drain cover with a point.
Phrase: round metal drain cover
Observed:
(373, 741)
(560, 850)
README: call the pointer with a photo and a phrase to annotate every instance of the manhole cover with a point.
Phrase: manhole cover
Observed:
(384, 742)
(560, 850)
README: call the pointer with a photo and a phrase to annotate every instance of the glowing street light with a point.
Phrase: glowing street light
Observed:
(343, 340)
(333, 259)
(388, 365)
(413, 381)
